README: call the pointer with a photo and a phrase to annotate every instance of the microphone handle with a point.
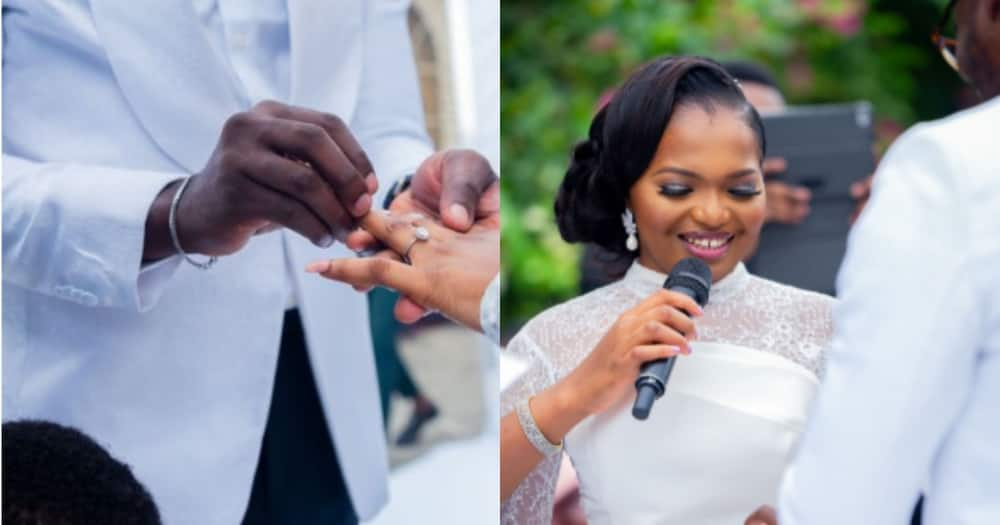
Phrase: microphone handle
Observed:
(653, 376)
(650, 387)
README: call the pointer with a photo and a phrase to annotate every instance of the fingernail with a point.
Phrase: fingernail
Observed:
(362, 205)
(372, 181)
(459, 213)
(317, 267)
(326, 241)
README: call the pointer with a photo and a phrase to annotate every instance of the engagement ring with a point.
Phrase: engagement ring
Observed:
(420, 234)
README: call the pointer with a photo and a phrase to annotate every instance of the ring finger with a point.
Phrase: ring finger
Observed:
(404, 234)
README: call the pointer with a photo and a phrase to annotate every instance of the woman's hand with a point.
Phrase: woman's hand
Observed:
(456, 187)
(447, 272)
(654, 329)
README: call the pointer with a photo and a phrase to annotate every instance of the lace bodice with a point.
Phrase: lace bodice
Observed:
(744, 311)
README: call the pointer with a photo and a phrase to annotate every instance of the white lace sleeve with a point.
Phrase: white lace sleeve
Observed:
(552, 345)
(531, 502)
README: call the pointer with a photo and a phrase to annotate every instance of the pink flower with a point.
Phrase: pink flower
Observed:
(603, 40)
(845, 25)
(809, 6)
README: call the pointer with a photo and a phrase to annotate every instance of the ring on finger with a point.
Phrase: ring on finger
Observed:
(420, 234)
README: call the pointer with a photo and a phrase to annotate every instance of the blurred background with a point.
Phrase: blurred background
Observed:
(559, 58)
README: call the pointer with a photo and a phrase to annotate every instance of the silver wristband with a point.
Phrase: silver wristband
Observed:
(531, 431)
(172, 220)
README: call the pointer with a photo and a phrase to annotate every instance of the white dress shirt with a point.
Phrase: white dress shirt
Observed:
(911, 398)
(167, 366)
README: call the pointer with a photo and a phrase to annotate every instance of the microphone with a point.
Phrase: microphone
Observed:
(693, 278)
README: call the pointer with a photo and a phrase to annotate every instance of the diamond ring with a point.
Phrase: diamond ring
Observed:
(420, 234)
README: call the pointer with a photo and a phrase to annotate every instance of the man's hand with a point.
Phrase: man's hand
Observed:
(275, 165)
(860, 191)
(765, 515)
(786, 204)
(456, 187)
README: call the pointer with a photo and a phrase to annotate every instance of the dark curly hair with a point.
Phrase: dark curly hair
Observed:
(624, 136)
(54, 474)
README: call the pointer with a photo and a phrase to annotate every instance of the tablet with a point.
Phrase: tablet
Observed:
(827, 148)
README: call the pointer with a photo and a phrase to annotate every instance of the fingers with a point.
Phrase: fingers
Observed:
(860, 190)
(673, 318)
(774, 166)
(765, 515)
(466, 177)
(368, 272)
(398, 232)
(334, 127)
(407, 311)
(787, 204)
(667, 297)
(311, 143)
(303, 184)
(661, 319)
(654, 332)
(644, 353)
(290, 213)
(361, 239)
(488, 209)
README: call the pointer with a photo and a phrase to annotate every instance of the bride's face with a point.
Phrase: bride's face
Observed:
(703, 193)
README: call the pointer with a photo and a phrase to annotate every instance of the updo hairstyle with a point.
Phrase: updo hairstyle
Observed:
(624, 136)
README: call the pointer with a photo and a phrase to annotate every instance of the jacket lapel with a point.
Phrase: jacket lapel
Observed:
(180, 90)
(326, 54)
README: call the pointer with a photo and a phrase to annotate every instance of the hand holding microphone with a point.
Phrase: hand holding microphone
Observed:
(691, 278)
(656, 328)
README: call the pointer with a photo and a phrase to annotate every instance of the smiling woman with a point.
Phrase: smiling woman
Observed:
(702, 195)
(671, 169)
(693, 188)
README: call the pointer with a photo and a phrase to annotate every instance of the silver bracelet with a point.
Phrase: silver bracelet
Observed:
(531, 431)
(203, 265)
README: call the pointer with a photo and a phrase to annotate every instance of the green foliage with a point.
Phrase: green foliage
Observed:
(559, 57)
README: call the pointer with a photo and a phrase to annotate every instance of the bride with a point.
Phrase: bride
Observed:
(672, 169)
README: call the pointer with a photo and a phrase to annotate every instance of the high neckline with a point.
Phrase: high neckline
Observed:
(720, 291)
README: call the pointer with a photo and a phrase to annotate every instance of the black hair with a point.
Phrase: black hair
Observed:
(624, 136)
(751, 72)
(54, 474)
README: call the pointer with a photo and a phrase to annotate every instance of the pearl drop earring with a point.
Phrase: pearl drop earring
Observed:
(628, 221)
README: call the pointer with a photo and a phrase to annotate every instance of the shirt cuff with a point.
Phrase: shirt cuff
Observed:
(489, 311)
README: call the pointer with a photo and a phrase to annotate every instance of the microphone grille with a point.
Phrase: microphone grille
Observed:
(694, 274)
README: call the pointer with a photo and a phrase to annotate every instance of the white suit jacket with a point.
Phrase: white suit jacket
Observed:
(911, 398)
(170, 367)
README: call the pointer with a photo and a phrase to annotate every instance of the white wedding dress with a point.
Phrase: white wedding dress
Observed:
(716, 443)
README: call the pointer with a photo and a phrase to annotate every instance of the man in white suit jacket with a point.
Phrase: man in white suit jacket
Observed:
(910, 401)
(107, 106)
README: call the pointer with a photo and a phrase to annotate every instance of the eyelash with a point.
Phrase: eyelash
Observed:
(675, 190)
(679, 190)
(745, 192)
